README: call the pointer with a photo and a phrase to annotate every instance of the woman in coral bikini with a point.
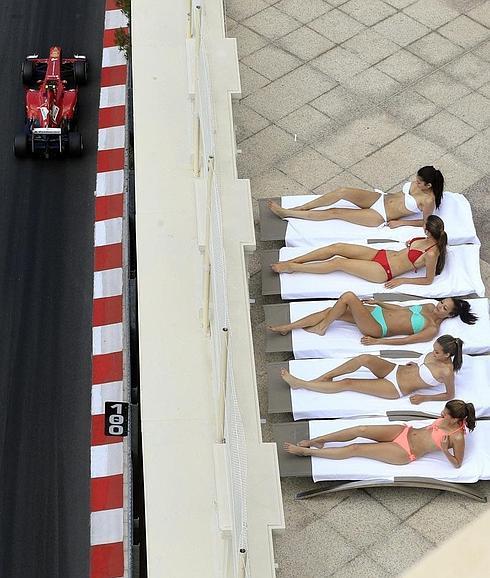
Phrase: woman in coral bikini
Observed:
(391, 380)
(398, 444)
(378, 321)
(374, 265)
(418, 199)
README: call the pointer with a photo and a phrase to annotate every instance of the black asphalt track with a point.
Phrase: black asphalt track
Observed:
(46, 271)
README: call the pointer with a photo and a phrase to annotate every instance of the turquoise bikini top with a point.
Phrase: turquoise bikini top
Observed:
(417, 320)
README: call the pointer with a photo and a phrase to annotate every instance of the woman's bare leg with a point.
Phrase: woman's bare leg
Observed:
(351, 309)
(360, 197)
(348, 308)
(347, 250)
(376, 365)
(366, 217)
(368, 270)
(386, 452)
(303, 323)
(377, 387)
(377, 433)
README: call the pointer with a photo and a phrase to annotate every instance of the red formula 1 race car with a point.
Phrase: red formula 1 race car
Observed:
(51, 94)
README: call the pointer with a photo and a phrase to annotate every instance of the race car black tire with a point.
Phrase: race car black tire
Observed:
(20, 145)
(80, 72)
(75, 144)
(28, 72)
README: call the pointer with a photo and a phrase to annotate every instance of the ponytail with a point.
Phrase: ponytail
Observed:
(462, 308)
(435, 226)
(463, 411)
(453, 346)
(470, 416)
(441, 245)
(433, 177)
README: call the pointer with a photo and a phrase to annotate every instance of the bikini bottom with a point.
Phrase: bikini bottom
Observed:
(402, 441)
(379, 206)
(377, 314)
(381, 257)
(392, 377)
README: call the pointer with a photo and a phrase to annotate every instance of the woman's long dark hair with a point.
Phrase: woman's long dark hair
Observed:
(459, 409)
(435, 226)
(453, 346)
(462, 308)
(434, 178)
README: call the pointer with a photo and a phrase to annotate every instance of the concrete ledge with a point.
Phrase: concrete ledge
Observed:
(186, 484)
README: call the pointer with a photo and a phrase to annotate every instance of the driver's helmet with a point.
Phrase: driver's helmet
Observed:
(51, 85)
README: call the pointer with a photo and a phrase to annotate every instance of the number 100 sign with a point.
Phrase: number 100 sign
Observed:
(116, 418)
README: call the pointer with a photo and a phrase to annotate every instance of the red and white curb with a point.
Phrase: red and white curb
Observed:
(107, 458)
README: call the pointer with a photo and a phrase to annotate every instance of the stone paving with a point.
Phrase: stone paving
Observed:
(361, 93)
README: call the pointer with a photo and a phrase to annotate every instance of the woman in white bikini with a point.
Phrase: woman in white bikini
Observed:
(378, 266)
(418, 199)
(392, 380)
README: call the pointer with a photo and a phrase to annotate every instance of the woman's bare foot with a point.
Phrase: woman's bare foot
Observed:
(277, 209)
(293, 382)
(310, 444)
(318, 329)
(294, 449)
(283, 267)
(282, 329)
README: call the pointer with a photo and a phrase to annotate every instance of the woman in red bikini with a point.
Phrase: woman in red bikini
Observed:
(398, 444)
(378, 266)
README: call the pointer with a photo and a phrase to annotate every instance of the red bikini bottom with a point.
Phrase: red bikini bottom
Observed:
(381, 257)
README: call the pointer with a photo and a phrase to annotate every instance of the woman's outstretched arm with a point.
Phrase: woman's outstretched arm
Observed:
(428, 209)
(383, 304)
(430, 273)
(443, 396)
(421, 337)
(395, 223)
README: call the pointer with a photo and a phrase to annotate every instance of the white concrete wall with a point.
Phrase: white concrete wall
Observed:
(186, 484)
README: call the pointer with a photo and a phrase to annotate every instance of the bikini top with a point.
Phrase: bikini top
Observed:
(416, 319)
(410, 201)
(425, 374)
(438, 434)
(414, 254)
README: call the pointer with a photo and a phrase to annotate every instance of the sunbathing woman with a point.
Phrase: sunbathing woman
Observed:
(393, 381)
(378, 266)
(378, 321)
(418, 199)
(398, 444)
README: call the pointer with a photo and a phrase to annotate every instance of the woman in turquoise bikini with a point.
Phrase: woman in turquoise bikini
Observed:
(379, 321)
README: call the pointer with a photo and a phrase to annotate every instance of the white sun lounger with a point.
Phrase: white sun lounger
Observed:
(472, 382)
(460, 276)
(455, 211)
(431, 471)
(343, 339)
